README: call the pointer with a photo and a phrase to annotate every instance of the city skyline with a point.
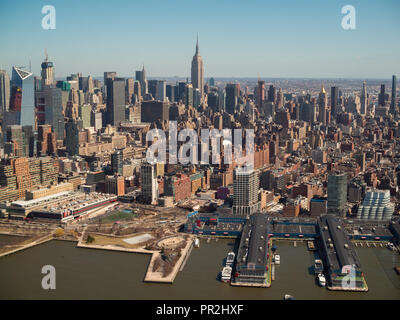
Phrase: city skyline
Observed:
(262, 43)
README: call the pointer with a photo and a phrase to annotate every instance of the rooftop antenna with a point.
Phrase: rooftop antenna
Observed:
(30, 64)
(45, 54)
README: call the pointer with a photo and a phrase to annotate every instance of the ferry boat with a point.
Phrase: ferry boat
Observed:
(318, 266)
(277, 259)
(197, 242)
(321, 280)
(230, 259)
(226, 274)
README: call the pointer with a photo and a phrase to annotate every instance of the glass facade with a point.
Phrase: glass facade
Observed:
(23, 98)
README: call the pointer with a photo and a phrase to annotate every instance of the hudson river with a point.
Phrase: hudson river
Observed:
(97, 274)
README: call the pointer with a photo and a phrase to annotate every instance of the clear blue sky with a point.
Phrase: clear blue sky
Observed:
(238, 38)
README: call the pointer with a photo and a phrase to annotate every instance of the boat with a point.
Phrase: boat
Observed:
(390, 246)
(397, 269)
(196, 242)
(310, 245)
(274, 247)
(277, 259)
(318, 266)
(321, 280)
(288, 297)
(230, 259)
(226, 274)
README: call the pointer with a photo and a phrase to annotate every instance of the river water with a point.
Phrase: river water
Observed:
(99, 274)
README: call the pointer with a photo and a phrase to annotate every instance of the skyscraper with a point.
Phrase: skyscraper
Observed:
(322, 105)
(149, 183)
(393, 105)
(117, 162)
(53, 111)
(47, 72)
(115, 101)
(198, 71)
(72, 129)
(232, 95)
(334, 102)
(108, 75)
(271, 94)
(245, 192)
(337, 194)
(260, 93)
(141, 77)
(161, 92)
(22, 102)
(382, 96)
(4, 92)
(363, 100)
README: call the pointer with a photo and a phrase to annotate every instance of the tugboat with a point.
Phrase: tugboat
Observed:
(230, 259)
(321, 280)
(226, 274)
(288, 297)
(196, 243)
(274, 247)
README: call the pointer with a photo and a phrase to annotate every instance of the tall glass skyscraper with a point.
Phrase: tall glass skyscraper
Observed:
(393, 105)
(4, 91)
(337, 194)
(22, 103)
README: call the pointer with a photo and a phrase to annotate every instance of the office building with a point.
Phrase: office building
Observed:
(382, 96)
(117, 162)
(161, 92)
(334, 102)
(4, 92)
(232, 95)
(149, 183)
(141, 77)
(115, 101)
(72, 129)
(22, 103)
(376, 206)
(393, 103)
(154, 110)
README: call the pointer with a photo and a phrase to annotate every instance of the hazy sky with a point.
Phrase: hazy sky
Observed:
(238, 38)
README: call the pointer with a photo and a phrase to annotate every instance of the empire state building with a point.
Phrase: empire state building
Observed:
(198, 71)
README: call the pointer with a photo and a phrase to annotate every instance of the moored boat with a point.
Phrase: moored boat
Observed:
(321, 280)
(226, 274)
(230, 259)
(318, 266)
